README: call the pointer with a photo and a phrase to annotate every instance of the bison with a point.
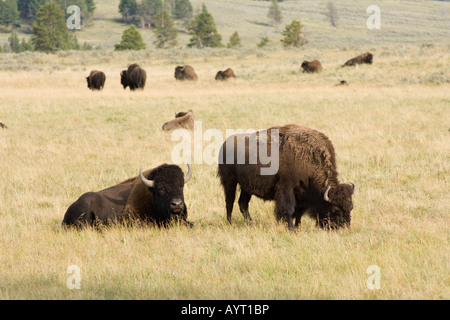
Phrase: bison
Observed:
(155, 196)
(312, 66)
(306, 180)
(366, 57)
(96, 80)
(134, 77)
(224, 75)
(185, 72)
(182, 120)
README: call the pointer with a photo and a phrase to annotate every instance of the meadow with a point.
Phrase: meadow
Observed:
(389, 127)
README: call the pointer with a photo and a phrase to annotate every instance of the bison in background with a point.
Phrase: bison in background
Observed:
(184, 120)
(366, 57)
(96, 80)
(224, 75)
(312, 66)
(306, 181)
(134, 77)
(185, 72)
(156, 196)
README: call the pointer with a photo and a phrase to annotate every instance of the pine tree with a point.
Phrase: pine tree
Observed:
(50, 29)
(164, 30)
(8, 12)
(131, 40)
(14, 43)
(235, 41)
(204, 31)
(293, 35)
(148, 9)
(182, 9)
(274, 14)
(128, 10)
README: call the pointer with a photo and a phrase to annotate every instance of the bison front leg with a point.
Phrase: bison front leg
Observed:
(244, 199)
(285, 206)
(229, 188)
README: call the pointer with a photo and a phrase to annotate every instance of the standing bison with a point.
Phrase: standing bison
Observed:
(366, 57)
(312, 66)
(134, 77)
(224, 75)
(306, 181)
(154, 196)
(184, 120)
(96, 80)
(185, 72)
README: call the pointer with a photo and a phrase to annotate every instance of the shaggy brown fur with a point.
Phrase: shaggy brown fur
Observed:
(185, 72)
(366, 57)
(134, 77)
(183, 120)
(96, 80)
(307, 168)
(131, 199)
(312, 66)
(224, 75)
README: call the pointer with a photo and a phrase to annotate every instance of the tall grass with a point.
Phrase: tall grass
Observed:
(391, 138)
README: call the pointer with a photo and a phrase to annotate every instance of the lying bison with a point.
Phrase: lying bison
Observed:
(312, 66)
(183, 120)
(224, 75)
(306, 180)
(154, 196)
(185, 72)
(134, 77)
(96, 80)
(366, 57)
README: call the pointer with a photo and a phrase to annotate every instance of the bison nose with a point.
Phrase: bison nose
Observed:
(176, 205)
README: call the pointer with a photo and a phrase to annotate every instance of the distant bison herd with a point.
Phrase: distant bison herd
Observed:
(135, 77)
(306, 181)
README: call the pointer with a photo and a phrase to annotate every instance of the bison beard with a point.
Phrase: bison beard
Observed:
(154, 196)
(306, 181)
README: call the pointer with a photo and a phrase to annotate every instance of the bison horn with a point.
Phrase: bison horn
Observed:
(188, 175)
(325, 195)
(148, 183)
(353, 186)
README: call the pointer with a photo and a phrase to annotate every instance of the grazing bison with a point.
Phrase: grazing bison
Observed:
(3, 126)
(224, 75)
(312, 66)
(183, 120)
(134, 77)
(366, 57)
(96, 80)
(185, 72)
(154, 196)
(306, 180)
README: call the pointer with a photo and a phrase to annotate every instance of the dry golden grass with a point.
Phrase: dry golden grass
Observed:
(389, 127)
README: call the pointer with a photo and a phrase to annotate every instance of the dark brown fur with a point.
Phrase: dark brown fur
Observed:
(3, 126)
(96, 80)
(183, 120)
(131, 199)
(366, 57)
(134, 77)
(185, 72)
(307, 167)
(224, 75)
(312, 66)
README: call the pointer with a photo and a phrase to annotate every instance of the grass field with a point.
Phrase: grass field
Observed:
(390, 128)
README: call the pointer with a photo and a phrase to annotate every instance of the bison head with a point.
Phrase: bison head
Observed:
(88, 83)
(220, 75)
(166, 184)
(123, 79)
(335, 213)
(305, 64)
(179, 72)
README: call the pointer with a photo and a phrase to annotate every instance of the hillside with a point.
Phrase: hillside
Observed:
(422, 22)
